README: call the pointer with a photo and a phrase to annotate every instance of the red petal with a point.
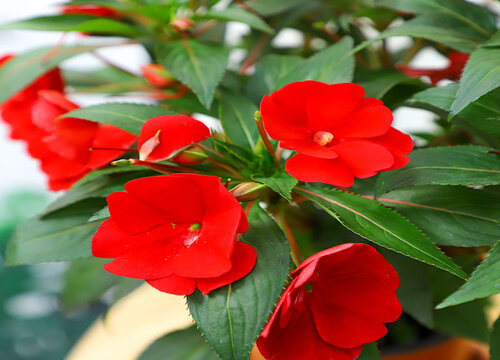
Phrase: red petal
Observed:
(243, 260)
(174, 284)
(370, 119)
(176, 132)
(395, 141)
(177, 197)
(364, 158)
(202, 259)
(329, 108)
(111, 137)
(59, 168)
(133, 215)
(309, 147)
(284, 111)
(312, 169)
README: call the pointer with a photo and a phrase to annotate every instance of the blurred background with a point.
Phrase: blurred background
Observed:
(41, 311)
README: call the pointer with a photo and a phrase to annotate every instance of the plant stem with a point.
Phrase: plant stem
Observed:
(295, 252)
(255, 53)
(264, 137)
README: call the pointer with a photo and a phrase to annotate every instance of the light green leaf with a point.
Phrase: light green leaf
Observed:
(451, 215)
(335, 64)
(179, 345)
(483, 282)
(61, 236)
(240, 15)
(380, 225)
(236, 115)
(199, 65)
(481, 75)
(231, 318)
(23, 69)
(282, 183)
(129, 117)
(452, 165)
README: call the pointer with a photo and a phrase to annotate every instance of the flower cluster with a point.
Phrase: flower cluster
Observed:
(63, 145)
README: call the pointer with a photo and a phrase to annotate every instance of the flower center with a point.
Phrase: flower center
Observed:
(322, 138)
(193, 234)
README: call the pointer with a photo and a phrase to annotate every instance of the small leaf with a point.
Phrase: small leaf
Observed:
(239, 15)
(236, 115)
(282, 183)
(335, 64)
(452, 165)
(129, 117)
(483, 282)
(451, 215)
(370, 352)
(179, 345)
(232, 318)
(199, 65)
(495, 341)
(61, 236)
(267, 8)
(481, 75)
(378, 82)
(380, 225)
(23, 69)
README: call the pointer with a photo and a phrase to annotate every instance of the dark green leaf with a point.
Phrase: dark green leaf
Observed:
(266, 8)
(199, 65)
(23, 69)
(370, 352)
(451, 215)
(480, 76)
(106, 79)
(236, 115)
(268, 73)
(495, 341)
(380, 225)
(239, 15)
(378, 82)
(484, 281)
(335, 64)
(179, 345)
(494, 41)
(232, 318)
(452, 165)
(129, 117)
(282, 183)
(64, 235)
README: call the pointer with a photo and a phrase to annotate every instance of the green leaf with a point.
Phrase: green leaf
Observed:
(378, 82)
(451, 215)
(61, 236)
(83, 23)
(481, 75)
(266, 8)
(179, 345)
(129, 117)
(380, 225)
(495, 341)
(232, 318)
(282, 183)
(23, 69)
(483, 282)
(199, 65)
(494, 41)
(452, 165)
(268, 72)
(370, 352)
(236, 115)
(455, 23)
(335, 64)
(239, 15)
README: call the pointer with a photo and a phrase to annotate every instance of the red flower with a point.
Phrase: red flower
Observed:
(88, 9)
(339, 299)
(337, 134)
(163, 137)
(177, 232)
(156, 75)
(452, 72)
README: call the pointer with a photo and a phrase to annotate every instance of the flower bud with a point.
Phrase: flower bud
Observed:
(248, 191)
(191, 156)
(181, 23)
(156, 75)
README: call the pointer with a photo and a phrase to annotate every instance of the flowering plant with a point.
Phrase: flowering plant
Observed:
(304, 224)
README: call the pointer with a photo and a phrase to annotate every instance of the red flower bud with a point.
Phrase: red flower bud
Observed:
(338, 301)
(181, 23)
(156, 75)
(248, 191)
(337, 133)
(191, 156)
(177, 232)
